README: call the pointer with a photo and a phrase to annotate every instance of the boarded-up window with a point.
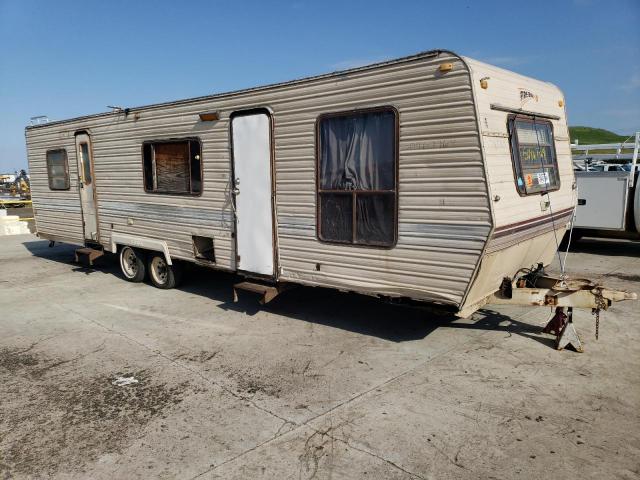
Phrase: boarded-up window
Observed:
(58, 169)
(172, 166)
(357, 163)
(534, 155)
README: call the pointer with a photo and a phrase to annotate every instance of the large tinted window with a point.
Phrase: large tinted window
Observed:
(58, 169)
(357, 163)
(534, 155)
(172, 167)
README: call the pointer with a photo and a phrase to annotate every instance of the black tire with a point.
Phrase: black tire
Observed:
(132, 264)
(161, 274)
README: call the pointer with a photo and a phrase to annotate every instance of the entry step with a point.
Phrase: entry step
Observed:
(88, 255)
(266, 292)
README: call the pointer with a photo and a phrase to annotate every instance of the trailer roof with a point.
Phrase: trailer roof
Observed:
(424, 54)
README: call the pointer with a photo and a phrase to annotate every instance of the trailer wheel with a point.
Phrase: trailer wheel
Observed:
(162, 274)
(132, 264)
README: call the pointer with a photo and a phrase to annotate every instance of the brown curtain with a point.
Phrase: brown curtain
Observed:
(357, 152)
(374, 215)
(336, 219)
(357, 157)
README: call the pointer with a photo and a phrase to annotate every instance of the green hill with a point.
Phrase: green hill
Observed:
(588, 135)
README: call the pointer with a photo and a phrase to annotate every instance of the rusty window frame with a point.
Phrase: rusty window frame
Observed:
(355, 193)
(67, 181)
(514, 146)
(148, 147)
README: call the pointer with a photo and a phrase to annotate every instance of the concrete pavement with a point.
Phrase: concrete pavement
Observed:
(319, 384)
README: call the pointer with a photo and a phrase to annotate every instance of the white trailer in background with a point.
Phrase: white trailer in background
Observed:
(608, 201)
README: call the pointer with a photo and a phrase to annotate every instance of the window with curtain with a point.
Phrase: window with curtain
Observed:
(357, 191)
(58, 169)
(533, 154)
(172, 166)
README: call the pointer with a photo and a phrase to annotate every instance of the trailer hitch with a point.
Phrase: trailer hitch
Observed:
(536, 288)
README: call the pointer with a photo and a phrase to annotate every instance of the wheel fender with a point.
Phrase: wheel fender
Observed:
(140, 242)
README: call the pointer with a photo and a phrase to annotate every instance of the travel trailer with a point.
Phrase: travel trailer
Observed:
(429, 178)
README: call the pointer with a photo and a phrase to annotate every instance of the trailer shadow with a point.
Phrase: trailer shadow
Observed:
(62, 252)
(486, 319)
(352, 312)
(65, 253)
(373, 317)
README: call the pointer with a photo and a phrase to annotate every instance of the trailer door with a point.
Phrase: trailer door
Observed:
(86, 187)
(251, 142)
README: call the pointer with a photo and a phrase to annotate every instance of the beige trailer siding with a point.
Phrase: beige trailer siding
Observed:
(504, 89)
(56, 212)
(444, 215)
(443, 211)
(524, 226)
(125, 207)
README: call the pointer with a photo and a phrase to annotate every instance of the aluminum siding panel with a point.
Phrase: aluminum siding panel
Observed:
(517, 249)
(57, 213)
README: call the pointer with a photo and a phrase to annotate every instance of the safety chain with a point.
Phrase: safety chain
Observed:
(601, 304)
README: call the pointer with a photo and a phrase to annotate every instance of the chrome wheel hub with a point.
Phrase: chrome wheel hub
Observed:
(159, 269)
(129, 263)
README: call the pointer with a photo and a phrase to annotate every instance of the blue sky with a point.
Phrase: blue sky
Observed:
(63, 59)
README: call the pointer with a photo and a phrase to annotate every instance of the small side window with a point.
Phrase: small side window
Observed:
(58, 169)
(533, 154)
(172, 166)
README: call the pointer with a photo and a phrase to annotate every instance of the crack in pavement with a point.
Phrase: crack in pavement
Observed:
(46, 368)
(346, 402)
(375, 455)
(255, 447)
(37, 342)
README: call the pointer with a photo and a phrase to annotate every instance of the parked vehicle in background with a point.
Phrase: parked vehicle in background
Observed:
(628, 167)
(608, 202)
(6, 178)
(603, 167)
(609, 168)
(15, 187)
